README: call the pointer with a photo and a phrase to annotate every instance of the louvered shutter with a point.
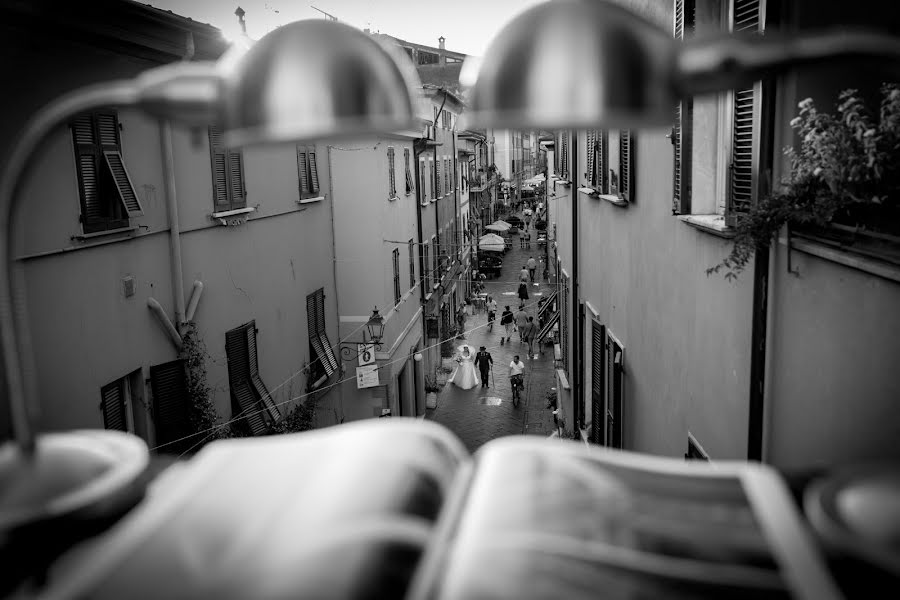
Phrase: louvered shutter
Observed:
(108, 131)
(617, 373)
(746, 17)
(392, 185)
(303, 171)
(238, 354)
(681, 139)
(412, 263)
(435, 189)
(313, 172)
(439, 186)
(113, 405)
(626, 165)
(590, 140)
(170, 406)
(255, 380)
(422, 180)
(409, 181)
(236, 175)
(598, 338)
(247, 405)
(123, 183)
(221, 197)
(565, 155)
(395, 258)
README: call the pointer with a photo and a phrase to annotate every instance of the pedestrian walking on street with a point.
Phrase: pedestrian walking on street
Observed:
(523, 292)
(521, 321)
(508, 322)
(491, 311)
(484, 361)
(523, 274)
(529, 333)
(532, 267)
(527, 239)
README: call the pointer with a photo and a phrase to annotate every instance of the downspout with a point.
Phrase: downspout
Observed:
(576, 333)
(174, 228)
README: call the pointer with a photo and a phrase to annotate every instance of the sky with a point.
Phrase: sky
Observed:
(467, 25)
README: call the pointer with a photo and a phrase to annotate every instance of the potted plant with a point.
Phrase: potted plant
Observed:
(844, 183)
(431, 390)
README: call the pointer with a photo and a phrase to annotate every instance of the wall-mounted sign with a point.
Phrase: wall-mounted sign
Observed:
(366, 354)
(367, 377)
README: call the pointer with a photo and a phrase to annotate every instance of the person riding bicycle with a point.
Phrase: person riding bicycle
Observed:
(491, 311)
(516, 368)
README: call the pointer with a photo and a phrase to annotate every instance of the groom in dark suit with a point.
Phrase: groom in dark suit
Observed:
(483, 361)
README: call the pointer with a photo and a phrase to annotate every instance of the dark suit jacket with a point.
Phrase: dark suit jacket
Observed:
(483, 360)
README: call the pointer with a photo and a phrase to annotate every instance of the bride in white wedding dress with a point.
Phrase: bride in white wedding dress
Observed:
(466, 375)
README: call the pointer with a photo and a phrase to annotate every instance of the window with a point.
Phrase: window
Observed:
(746, 16)
(598, 382)
(308, 171)
(682, 132)
(229, 192)
(435, 189)
(170, 407)
(250, 398)
(392, 178)
(323, 363)
(626, 165)
(395, 258)
(563, 155)
(409, 179)
(427, 58)
(615, 360)
(564, 322)
(422, 181)
(114, 404)
(427, 266)
(596, 145)
(412, 264)
(436, 252)
(107, 195)
(439, 190)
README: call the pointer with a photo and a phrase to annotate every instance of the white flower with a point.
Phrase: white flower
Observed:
(817, 171)
(806, 102)
(795, 121)
(869, 132)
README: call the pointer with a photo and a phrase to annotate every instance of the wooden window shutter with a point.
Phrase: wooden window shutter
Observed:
(313, 171)
(113, 405)
(236, 174)
(598, 342)
(255, 380)
(590, 140)
(303, 171)
(238, 354)
(440, 187)
(601, 154)
(395, 257)
(422, 187)
(626, 165)
(682, 133)
(392, 183)
(412, 264)
(123, 183)
(427, 274)
(170, 406)
(219, 155)
(247, 407)
(565, 155)
(435, 190)
(747, 16)
(409, 181)
(614, 383)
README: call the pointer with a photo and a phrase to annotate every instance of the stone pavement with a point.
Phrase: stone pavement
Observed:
(482, 414)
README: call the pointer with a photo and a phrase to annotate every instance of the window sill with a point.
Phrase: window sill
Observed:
(393, 198)
(588, 190)
(614, 200)
(712, 224)
(230, 218)
(98, 234)
(563, 380)
(424, 203)
(847, 258)
(562, 182)
(310, 200)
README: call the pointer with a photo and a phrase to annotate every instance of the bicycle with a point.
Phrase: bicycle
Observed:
(517, 385)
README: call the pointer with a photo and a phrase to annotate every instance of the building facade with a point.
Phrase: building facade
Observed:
(790, 363)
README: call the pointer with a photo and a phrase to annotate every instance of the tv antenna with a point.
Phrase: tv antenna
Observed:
(328, 16)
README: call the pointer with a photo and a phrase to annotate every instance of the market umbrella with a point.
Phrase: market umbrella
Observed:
(497, 227)
(491, 242)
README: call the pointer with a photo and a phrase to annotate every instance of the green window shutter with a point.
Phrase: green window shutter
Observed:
(123, 183)
(255, 381)
(92, 209)
(412, 264)
(113, 405)
(626, 165)
(108, 130)
(435, 189)
(170, 407)
(392, 184)
(247, 407)
(590, 142)
(682, 133)
(598, 338)
(395, 259)
(439, 188)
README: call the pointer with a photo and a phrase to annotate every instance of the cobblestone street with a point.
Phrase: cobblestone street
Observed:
(482, 414)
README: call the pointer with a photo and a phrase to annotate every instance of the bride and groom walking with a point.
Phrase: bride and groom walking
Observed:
(465, 376)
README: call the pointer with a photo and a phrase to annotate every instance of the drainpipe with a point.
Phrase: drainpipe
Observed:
(576, 326)
(174, 229)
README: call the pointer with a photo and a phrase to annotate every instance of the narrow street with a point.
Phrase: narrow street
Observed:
(482, 414)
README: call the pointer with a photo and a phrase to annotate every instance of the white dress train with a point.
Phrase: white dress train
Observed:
(466, 375)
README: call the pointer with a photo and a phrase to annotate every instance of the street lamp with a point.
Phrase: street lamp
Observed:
(311, 79)
(375, 327)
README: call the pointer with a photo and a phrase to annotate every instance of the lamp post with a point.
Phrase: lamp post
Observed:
(375, 329)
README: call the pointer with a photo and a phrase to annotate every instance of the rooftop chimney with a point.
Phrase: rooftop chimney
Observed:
(240, 15)
(441, 41)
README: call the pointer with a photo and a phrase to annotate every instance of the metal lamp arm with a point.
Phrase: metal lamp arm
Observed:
(736, 60)
(18, 360)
